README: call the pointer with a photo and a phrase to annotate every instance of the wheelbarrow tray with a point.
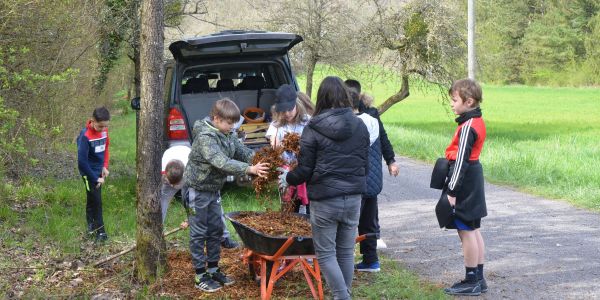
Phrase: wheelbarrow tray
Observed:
(266, 244)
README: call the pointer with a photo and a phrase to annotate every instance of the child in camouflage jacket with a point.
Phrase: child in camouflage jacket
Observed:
(216, 153)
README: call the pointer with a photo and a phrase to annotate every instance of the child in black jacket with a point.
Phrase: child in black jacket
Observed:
(464, 184)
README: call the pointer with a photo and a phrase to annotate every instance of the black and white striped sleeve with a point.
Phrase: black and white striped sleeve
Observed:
(466, 140)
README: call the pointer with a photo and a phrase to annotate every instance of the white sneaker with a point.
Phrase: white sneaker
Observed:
(381, 244)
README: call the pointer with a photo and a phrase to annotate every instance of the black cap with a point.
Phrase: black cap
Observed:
(285, 98)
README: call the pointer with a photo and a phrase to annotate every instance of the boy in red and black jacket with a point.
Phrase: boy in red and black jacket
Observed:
(464, 185)
(92, 161)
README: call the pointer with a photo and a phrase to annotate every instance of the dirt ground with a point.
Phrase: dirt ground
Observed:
(535, 248)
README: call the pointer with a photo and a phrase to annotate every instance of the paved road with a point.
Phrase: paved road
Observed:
(536, 248)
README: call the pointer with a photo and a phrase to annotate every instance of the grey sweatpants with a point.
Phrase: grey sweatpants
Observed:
(167, 192)
(334, 222)
(206, 227)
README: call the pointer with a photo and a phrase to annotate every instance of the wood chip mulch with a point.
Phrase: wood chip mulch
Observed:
(276, 223)
(178, 282)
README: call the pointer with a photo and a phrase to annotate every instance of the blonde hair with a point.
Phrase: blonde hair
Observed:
(308, 105)
(225, 109)
(279, 117)
(366, 99)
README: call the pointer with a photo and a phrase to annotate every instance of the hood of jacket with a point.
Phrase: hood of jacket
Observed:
(336, 123)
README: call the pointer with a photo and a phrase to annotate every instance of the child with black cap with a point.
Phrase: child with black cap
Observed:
(289, 116)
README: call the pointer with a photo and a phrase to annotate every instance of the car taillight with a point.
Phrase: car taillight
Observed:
(176, 125)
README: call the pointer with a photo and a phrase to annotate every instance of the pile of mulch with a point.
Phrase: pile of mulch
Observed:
(178, 282)
(276, 224)
(273, 157)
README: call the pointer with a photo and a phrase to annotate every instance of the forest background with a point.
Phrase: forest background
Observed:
(59, 59)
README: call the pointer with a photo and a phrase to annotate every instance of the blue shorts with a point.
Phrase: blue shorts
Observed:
(460, 225)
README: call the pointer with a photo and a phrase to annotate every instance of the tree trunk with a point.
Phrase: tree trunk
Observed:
(401, 95)
(309, 76)
(136, 72)
(150, 254)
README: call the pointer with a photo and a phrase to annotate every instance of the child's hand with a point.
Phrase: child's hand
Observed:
(452, 200)
(394, 169)
(260, 169)
(100, 182)
(105, 172)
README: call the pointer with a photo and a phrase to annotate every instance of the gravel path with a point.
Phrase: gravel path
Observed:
(535, 248)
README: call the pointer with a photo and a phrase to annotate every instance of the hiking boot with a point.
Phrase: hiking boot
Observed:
(464, 288)
(364, 267)
(221, 278)
(229, 243)
(205, 282)
(101, 237)
(483, 284)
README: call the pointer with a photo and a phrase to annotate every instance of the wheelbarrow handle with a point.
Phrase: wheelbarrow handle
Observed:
(365, 236)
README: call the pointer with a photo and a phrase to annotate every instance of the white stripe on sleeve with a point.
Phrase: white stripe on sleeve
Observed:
(464, 136)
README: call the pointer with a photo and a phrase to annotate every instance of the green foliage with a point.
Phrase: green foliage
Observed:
(420, 38)
(538, 42)
(120, 24)
(122, 102)
(113, 27)
(550, 46)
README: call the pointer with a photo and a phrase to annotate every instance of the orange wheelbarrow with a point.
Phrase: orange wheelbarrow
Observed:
(264, 256)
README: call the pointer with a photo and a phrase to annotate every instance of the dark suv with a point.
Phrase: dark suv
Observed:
(245, 66)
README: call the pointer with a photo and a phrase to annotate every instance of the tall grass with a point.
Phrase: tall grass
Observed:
(542, 140)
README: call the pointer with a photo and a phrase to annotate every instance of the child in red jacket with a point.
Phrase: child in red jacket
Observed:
(464, 185)
(92, 161)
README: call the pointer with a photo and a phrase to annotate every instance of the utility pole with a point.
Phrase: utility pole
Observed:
(471, 39)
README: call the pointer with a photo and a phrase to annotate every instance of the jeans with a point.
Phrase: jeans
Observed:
(334, 222)
(206, 227)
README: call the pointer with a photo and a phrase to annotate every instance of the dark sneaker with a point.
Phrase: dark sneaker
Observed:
(229, 243)
(221, 278)
(464, 288)
(205, 283)
(363, 267)
(483, 284)
(101, 237)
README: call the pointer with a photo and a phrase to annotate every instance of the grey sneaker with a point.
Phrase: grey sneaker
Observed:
(204, 282)
(221, 278)
(464, 288)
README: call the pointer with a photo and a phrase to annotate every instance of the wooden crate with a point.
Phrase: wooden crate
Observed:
(255, 133)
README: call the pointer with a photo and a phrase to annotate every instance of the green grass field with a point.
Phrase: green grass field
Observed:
(540, 140)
